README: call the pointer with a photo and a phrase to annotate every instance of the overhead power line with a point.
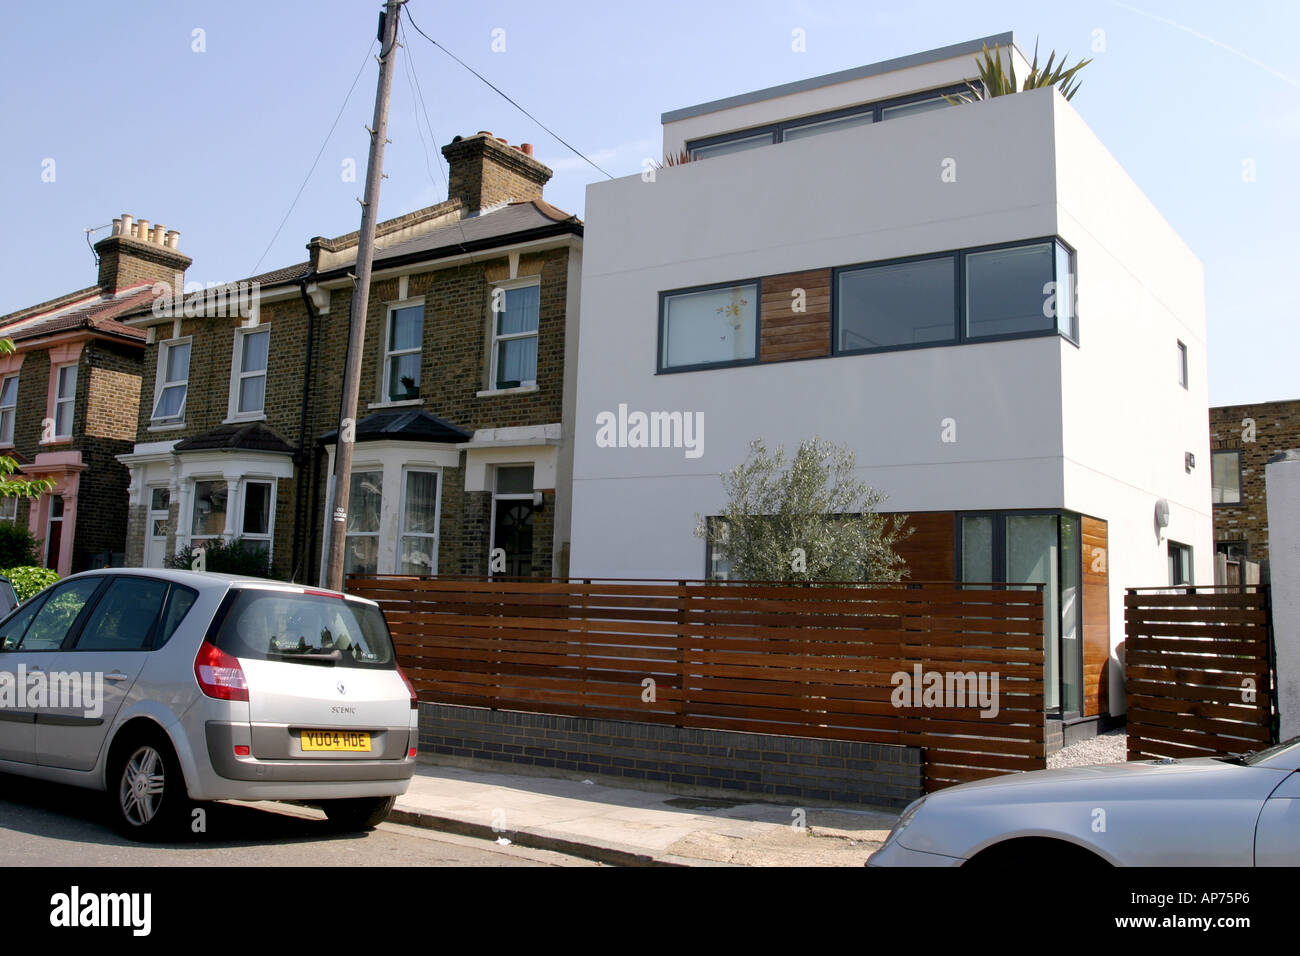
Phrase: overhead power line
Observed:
(504, 96)
(320, 152)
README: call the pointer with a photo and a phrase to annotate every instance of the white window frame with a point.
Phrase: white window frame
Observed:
(69, 400)
(238, 506)
(378, 533)
(9, 508)
(495, 339)
(386, 396)
(238, 375)
(402, 534)
(161, 384)
(8, 413)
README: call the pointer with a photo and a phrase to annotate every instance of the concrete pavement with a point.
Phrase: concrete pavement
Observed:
(616, 825)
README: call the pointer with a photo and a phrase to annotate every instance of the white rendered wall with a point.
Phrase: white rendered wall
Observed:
(859, 195)
(1127, 421)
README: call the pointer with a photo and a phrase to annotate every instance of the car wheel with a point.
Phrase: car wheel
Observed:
(360, 813)
(146, 790)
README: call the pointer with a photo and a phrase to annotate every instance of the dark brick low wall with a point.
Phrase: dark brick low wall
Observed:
(673, 758)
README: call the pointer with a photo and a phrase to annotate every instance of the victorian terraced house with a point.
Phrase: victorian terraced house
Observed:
(69, 394)
(461, 452)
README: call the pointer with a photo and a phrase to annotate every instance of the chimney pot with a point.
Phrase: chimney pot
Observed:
(142, 230)
(502, 141)
(117, 227)
(173, 239)
(127, 226)
(527, 148)
(484, 132)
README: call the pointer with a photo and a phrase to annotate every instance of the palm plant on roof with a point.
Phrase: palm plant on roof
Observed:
(997, 79)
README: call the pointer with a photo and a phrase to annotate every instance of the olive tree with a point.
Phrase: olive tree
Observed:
(809, 518)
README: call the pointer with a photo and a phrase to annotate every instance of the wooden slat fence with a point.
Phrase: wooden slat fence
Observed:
(799, 660)
(1199, 671)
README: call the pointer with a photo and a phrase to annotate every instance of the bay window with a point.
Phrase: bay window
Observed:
(418, 547)
(365, 507)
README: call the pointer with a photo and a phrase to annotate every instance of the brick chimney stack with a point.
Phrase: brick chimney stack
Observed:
(138, 253)
(487, 171)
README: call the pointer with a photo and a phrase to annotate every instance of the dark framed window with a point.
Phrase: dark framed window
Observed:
(708, 326)
(1022, 548)
(987, 293)
(897, 304)
(1225, 472)
(827, 122)
(1180, 564)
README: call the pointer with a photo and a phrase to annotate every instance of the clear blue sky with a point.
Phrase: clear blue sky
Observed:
(216, 143)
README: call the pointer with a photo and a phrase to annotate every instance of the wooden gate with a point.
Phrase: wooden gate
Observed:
(1199, 671)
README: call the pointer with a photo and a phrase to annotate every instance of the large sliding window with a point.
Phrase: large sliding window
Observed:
(717, 325)
(969, 295)
(1005, 292)
(897, 304)
(1020, 549)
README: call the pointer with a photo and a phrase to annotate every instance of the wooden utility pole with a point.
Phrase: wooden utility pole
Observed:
(360, 300)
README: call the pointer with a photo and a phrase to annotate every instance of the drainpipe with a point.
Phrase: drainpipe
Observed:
(300, 457)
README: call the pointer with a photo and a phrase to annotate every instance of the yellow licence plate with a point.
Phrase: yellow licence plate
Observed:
(351, 740)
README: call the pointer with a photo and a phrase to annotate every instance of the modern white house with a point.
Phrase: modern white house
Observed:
(975, 297)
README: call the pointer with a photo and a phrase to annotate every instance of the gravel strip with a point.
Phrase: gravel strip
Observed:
(1110, 747)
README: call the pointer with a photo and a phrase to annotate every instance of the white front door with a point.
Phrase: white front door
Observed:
(155, 532)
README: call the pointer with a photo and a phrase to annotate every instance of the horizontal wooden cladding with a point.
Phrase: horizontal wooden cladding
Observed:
(929, 550)
(790, 334)
(812, 661)
(1199, 672)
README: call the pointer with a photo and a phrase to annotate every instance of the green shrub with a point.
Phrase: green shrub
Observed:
(17, 546)
(30, 580)
(226, 557)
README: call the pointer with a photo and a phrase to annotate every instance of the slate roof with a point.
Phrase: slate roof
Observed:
(404, 424)
(98, 312)
(492, 228)
(252, 436)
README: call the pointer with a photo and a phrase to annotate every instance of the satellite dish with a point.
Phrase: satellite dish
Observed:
(1162, 513)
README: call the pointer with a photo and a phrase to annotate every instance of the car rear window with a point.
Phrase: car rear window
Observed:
(308, 629)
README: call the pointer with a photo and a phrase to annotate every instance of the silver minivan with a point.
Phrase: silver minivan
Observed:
(163, 688)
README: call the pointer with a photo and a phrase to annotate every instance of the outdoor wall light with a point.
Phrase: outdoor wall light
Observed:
(1189, 461)
(1162, 513)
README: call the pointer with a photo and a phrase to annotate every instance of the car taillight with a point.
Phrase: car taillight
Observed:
(415, 701)
(219, 674)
